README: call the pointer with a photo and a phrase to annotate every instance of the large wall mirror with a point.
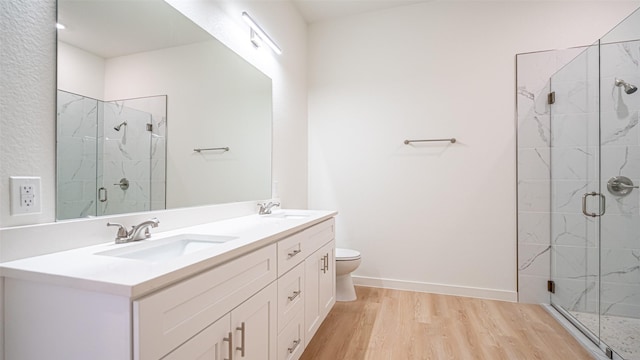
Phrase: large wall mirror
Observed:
(154, 113)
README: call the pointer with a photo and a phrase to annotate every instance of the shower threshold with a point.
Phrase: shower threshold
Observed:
(585, 340)
(620, 333)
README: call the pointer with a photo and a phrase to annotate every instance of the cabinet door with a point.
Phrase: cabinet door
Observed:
(319, 284)
(168, 318)
(327, 281)
(213, 343)
(255, 326)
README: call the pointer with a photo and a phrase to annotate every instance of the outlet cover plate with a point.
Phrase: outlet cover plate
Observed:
(25, 195)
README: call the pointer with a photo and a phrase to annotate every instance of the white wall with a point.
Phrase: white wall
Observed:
(73, 62)
(436, 217)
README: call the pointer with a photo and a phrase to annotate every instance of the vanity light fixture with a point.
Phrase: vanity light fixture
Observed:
(258, 33)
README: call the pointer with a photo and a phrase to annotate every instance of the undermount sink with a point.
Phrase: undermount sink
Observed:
(168, 248)
(288, 215)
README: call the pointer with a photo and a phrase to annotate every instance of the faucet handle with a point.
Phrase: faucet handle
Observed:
(265, 207)
(122, 231)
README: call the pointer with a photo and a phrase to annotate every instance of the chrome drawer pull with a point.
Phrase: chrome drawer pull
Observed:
(295, 345)
(295, 295)
(294, 253)
(229, 339)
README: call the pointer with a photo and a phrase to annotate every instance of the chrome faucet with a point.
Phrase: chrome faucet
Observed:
(265, 208)
(137, 232)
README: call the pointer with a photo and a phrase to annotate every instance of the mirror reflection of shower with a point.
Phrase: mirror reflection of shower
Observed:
(117, 127)
(628, 88)
(96, 158)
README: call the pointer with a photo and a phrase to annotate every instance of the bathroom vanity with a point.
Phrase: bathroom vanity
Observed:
(254, 287)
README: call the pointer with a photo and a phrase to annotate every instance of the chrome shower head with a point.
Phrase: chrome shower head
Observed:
(628, 88)
(117, 127)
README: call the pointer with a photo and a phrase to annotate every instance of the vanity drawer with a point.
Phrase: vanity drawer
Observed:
(291, 339)
(290, 295)
(168, 318)
(294, 249)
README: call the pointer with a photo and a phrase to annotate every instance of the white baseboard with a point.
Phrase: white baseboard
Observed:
(481, 293)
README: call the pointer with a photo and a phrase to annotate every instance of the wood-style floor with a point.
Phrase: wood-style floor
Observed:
(402, 325)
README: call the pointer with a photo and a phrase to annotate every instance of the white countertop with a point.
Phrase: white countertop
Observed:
(82, 269)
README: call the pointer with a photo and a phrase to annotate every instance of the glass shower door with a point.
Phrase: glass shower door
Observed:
(77, 142)
(620, 228)
(125, 162)
(576, 200)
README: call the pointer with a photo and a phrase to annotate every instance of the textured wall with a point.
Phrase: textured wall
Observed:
(27, 102)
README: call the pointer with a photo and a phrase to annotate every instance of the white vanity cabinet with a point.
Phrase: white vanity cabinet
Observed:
(306, 286)
(320, 288)
(214, 343)
(166, 319)
(244, 333)
(265, 303)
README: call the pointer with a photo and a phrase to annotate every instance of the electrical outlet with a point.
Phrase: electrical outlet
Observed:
(25, 195)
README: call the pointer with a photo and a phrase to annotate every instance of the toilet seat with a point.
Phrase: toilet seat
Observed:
(347, 254)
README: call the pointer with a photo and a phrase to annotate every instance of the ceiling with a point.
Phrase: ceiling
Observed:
(116, 28)
(321, 10)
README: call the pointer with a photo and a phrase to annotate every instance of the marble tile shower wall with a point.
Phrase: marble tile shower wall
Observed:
(573, 165)
(135, 154)
(620, 153)
(534, 170)
(77, 134)
(93, 154)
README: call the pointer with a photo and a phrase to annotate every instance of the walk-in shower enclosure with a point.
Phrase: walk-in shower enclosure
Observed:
(111, 155)
(578, 176)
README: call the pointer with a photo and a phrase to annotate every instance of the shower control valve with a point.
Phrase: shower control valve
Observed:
(620, 185)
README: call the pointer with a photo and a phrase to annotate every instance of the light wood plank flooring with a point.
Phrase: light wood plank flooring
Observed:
(402, 325)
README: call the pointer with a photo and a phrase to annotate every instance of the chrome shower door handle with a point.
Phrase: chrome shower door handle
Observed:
(603, 203)
(584, 205)
(102, 194)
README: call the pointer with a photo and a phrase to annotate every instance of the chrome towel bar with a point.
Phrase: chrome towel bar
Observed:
(407, 142)
(212, 149)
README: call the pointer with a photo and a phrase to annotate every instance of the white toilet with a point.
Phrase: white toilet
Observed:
(347, 261)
